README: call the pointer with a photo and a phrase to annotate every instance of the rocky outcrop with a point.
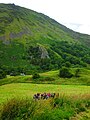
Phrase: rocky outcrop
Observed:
(44, 53)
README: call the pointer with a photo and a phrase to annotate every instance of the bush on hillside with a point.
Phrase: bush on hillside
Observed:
(2, 74)
(65, 73)
(67, 64)
(77, 73)
(35, 76)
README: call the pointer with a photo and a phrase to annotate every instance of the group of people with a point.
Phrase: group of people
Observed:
(39, 96)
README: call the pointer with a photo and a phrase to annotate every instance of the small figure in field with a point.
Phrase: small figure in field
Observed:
(38, 96)
(43, 96)
(35, 96)
(52, 95)
(48, 95)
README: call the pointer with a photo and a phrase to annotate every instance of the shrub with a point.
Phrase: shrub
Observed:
(35, 76)
(17, 109)
(65, 73)
(67, 64)
(26, 109)
(2, 74)
(77, 72)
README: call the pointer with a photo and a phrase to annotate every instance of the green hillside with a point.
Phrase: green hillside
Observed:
(33, 41)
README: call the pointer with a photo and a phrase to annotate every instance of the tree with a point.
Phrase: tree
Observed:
(67, 64)
(2, 74)
(65, 73)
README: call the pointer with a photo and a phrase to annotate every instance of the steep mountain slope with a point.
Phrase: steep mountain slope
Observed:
(31, 40)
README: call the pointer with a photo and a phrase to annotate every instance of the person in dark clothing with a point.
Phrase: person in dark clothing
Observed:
(52, 95)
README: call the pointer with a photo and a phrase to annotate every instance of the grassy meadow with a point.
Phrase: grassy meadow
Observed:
(52, 77)
(16, 102)
(23, 90)
(26, 86)
(16, 93)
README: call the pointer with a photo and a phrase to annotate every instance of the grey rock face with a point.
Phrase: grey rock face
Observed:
(44, 53)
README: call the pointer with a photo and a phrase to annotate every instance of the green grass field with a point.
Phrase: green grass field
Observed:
(25, 86)
(74, 93)
(24, 90)
(51, 77)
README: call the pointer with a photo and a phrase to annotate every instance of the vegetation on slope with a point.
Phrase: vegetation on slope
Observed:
(31, 41)
(80, 77)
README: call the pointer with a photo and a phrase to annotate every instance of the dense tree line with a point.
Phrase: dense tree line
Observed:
(65, 72)
(60, 54)
(75, 53)
(3, 73)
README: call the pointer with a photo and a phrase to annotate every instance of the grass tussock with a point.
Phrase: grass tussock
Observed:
(63, 107)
